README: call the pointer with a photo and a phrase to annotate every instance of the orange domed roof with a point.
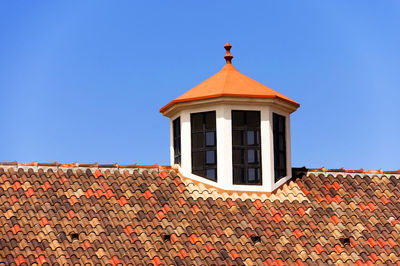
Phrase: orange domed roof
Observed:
(229, 82)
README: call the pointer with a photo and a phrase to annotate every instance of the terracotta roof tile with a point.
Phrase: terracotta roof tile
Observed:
(90, 214)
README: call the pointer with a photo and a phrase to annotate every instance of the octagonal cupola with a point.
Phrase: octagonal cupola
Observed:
(232, 132)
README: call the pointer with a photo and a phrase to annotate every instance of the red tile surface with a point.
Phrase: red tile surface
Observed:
(88, 215)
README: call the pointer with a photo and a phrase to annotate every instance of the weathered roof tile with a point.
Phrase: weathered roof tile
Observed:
(90, 215)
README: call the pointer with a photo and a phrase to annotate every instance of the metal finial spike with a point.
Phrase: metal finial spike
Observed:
(228, 57)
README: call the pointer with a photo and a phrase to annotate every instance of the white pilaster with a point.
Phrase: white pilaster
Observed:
(288, 147)
(267, 156)
(186, 162)
(171, 141)
(224, 146)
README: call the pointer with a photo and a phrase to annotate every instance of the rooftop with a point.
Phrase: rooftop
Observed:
(132, 214)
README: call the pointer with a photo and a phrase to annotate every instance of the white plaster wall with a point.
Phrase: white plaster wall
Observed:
(186, 162)
(224, 151)
(224, 146)
(267, 149)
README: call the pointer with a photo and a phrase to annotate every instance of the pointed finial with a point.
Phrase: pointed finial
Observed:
(228, 57)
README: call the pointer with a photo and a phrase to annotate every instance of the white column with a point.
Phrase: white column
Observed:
(267, 155)
(186, 161)
(288, 148)
(224, 146)
(171, 141)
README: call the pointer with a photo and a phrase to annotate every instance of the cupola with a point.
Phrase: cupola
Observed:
(232, 132)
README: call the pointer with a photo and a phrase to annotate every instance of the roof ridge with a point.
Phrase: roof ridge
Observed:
(77, 165)
(343, 170)
(136, 165)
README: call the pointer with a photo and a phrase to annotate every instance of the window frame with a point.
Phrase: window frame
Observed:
(177, 144)
(245, 147)
(204, 148)
(279, 134)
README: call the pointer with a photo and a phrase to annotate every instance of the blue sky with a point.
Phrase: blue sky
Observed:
(84, 80)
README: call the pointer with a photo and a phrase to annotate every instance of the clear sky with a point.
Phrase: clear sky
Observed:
(82, 81)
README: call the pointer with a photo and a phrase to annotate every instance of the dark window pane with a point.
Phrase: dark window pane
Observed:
(197, 140)
(238, 118)
(210, 157)
(238, 156)
(198, 159)
(252, 174)
(281, 124)
(211, 174)
(282, 160)
(198, 172)
(246, 147)
(204, 156)
(210, 120)
(238, 175)
(253, 119)
(210, 138)
(197, 122)
(279, 146)
(177, 149)
(177, 127)
(251, 137)
(237, 137)
(177, 140)
(252, 156)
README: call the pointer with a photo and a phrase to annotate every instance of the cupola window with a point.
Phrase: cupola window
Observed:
(177, 140)
(279, 130)
(246, 146)
(204, 144)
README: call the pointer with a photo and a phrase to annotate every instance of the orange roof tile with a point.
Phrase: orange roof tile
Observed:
(222, 230)
(231, 83)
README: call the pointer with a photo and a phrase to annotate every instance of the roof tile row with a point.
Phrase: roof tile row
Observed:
(140, 217)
